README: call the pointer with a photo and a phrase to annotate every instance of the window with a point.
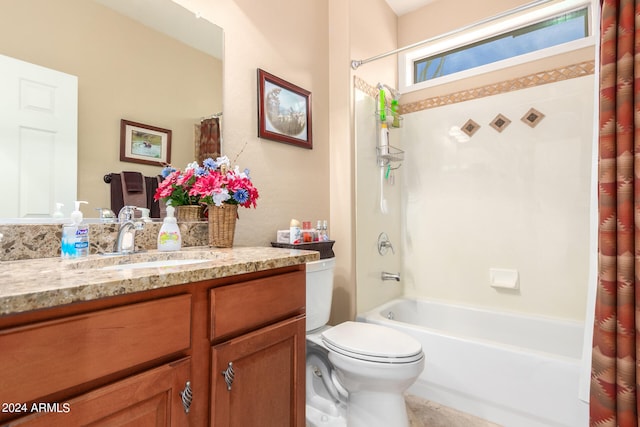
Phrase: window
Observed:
(555, 29)
(551, 32)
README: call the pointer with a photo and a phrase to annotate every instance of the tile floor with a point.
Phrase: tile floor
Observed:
(423, 413)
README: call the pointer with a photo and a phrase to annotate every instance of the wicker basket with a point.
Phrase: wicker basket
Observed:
(188, 213)
(222, 225)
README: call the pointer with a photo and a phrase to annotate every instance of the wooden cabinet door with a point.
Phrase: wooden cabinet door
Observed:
(266, 374)
(152, 398)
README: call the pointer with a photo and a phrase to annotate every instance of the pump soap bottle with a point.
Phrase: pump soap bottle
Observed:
(75, 236)
(58, 212)
(169, 238)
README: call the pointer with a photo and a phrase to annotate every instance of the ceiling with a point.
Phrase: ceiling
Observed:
(170, 18)
(400, 7)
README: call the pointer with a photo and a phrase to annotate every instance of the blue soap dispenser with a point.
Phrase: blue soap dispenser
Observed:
(75, 235)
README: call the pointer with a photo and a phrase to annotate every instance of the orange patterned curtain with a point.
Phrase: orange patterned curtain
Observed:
(208, 139)
(614, 371)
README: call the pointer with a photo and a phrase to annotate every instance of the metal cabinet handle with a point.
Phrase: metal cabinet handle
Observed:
(187, 397)
(229, 375)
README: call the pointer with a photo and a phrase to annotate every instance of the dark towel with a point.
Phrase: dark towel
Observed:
(117, 196)
(153, 205)
(117, 200)
(133, 181)
(162, 205)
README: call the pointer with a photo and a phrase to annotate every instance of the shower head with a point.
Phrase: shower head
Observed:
(394, 93)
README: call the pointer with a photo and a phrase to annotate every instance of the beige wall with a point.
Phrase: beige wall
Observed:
(341, 160)
(290, 42)
(309, 44)
(120, 67)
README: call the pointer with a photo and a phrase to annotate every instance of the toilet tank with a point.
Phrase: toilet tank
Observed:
(319, 292)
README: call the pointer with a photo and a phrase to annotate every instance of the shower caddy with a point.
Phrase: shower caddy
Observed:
(387, 117)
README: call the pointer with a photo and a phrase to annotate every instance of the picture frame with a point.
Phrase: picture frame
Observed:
(284, 111)
(140, 143)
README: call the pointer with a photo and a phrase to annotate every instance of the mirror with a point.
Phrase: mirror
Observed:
(165, 72)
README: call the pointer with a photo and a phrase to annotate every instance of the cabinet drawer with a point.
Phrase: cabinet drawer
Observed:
(43, 358)
(245, 306)
(151, 398)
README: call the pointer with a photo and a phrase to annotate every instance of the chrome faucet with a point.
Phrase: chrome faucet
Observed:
(106, 215)
(390, 276)
(126, 240)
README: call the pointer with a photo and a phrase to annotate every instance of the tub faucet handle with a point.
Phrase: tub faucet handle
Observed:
(384, 244)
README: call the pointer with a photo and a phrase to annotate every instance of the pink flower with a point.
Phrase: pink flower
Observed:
(206, 185)
(183, 179)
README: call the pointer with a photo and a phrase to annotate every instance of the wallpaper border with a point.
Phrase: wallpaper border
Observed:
(537, 79)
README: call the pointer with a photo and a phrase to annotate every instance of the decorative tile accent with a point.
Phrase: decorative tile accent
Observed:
(470, 127)
(500, 123)
(365, 87)
(532, 117)
(545, 77)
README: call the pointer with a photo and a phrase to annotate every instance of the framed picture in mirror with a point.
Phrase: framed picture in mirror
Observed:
(140, 143)
(284, 111)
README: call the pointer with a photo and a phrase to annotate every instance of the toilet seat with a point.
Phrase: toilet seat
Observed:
(373, 343)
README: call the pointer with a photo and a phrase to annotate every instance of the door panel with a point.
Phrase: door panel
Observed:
(268, 378)
(38, 138)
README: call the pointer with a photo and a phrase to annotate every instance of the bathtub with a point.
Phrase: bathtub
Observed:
(511, 369)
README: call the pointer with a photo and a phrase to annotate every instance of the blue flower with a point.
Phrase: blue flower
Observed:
(200, 171)
(241, 196)
(210, 164)
(167, 170)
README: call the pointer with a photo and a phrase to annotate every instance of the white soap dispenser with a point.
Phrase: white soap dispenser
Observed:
(144, 214)
(75, 236)
(58, 212)
(169, 238)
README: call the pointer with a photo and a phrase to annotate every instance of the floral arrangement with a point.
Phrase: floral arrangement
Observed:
(212, 183)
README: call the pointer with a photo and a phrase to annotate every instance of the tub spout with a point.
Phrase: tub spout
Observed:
(390, 276)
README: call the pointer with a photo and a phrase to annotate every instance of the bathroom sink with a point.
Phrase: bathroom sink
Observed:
(154, 264)
(151, 259)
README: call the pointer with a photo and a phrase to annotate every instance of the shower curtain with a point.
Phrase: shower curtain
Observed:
(208, 139)
(614, 370)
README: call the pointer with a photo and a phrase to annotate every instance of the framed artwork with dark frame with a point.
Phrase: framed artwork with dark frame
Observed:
(140, 143)
(284, 111)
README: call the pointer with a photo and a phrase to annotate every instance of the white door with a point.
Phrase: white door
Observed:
(38, 139)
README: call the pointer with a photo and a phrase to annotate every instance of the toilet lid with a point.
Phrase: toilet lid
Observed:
(372, 342)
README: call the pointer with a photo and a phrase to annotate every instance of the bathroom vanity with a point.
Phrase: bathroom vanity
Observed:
(214, 337)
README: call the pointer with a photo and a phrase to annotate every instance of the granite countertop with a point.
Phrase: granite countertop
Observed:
(49, 282)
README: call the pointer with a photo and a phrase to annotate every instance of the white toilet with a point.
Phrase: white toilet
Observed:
(356, 372)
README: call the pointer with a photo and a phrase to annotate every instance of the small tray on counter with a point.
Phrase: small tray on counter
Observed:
(325, 248)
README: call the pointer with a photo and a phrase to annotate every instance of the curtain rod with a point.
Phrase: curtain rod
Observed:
(213, 116)
(358, 62)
